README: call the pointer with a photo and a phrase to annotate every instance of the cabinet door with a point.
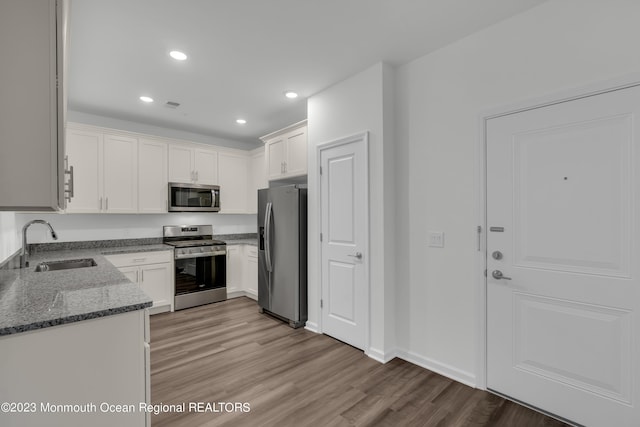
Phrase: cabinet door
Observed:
(152, 177)
(206, 166)
(275, 152)
(234, 268)
(120, 182)
(30, 107)
(251, 272)
(296, 163)
(180, 168)
(233, 183)
(155, 281)
(132, 273)
(83, 151)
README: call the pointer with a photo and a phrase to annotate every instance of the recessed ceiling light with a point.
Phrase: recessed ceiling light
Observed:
(177, 55)
(241, 121)
(146, 99)
(290, 94)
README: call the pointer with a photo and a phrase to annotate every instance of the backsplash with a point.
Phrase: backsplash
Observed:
(90, 227)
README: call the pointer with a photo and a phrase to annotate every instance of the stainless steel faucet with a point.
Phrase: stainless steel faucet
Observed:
(24, 262)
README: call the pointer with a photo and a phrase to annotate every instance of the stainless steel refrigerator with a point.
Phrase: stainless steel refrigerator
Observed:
(282, 253)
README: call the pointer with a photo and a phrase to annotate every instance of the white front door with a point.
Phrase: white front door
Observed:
(563, 323)
(344, 206)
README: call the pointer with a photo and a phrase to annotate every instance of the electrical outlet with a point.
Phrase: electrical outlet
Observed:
(436, 239)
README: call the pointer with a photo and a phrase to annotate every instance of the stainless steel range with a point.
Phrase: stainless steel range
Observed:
(200, 265)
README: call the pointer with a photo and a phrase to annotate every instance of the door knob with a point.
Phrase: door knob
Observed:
(357, 255)
(497, 274)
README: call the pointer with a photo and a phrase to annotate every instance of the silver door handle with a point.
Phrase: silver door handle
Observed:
(106, 203)
(267, 232)
(497, 274)
(357, 255)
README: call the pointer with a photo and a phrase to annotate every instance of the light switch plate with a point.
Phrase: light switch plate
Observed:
(436, 239)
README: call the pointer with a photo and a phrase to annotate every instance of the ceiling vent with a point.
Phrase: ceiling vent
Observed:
(172, 104)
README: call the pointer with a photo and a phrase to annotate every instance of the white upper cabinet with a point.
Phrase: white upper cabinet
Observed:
(105, 172)
(180, 166)
(152, 176)
(275, 153)
(83, 152)
(205, 166)
(120, 166)
(191, 165)
(32, 104)
(233, 169)
(296, 161)
(286, 152)
(124, 172)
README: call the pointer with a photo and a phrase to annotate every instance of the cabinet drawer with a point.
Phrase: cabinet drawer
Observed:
(140, 258)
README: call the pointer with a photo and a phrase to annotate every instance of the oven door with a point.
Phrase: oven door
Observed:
(200, 274)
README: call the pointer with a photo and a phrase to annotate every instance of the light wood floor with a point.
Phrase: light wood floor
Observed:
(228, 352)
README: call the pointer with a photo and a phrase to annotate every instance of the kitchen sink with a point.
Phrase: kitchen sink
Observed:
(66, 264)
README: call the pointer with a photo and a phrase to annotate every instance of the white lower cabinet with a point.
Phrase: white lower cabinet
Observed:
(99, 362)
(242, 271)
(234, 271)
(153, 272)
(251, 271)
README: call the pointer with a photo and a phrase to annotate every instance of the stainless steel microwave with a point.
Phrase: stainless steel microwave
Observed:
(193, 197)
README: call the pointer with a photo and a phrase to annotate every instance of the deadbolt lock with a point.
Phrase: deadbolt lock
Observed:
(496, 255)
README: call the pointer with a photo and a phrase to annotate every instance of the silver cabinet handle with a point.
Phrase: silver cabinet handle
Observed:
(106, 204)
(357, 255)
(100, 203)
(497, 274)
(137, 281)
(142, 276)
(68, 170)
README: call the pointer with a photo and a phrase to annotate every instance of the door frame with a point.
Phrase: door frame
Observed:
(480, 287)
(362, 137)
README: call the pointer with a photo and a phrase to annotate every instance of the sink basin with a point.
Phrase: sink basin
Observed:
(66, 264)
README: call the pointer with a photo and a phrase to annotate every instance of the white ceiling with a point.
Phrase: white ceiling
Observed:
(243, 54)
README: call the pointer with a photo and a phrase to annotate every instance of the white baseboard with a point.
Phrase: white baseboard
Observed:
(448, 371)
(234, 294)
(381, 356)
(312, 326)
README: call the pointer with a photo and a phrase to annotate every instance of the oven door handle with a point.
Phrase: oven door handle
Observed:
(203, 255)
(267, 230)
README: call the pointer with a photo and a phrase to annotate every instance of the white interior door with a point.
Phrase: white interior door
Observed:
(562, 204)
(344, 210)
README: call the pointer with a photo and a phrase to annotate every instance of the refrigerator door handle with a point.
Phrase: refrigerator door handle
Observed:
(267, 232)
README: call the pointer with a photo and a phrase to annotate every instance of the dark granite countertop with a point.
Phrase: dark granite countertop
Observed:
(32, 300)
(239, 239)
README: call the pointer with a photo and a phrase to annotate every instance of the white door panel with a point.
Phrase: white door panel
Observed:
(120, 163)
(561, 183)
(344, 246)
